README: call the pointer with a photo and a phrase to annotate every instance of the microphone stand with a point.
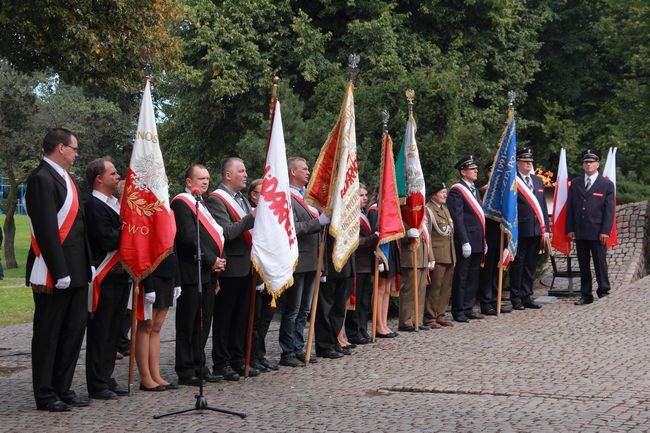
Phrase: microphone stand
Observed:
(201, 402)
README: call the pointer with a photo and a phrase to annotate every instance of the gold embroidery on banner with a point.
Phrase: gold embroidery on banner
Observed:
(140, 205)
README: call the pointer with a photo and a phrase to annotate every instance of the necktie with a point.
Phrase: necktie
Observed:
(529, 183)
(473, 189)
(588, 184)
(240, 200)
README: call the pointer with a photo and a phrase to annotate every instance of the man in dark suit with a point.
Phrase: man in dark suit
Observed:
(191, 333)
(464, 203)
(295, 302)
(533, 225)
(589, 219)
(330, 313)
(59, 270)
(356, 322)
(104, 224)
(234, 213)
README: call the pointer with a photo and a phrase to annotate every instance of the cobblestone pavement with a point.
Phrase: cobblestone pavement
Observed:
(559, 369)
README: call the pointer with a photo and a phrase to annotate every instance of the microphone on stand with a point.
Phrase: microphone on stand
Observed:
(196, 193)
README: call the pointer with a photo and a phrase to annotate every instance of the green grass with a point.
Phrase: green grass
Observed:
(16, 302)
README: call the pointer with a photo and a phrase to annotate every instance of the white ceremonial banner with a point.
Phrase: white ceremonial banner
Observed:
(275, 246)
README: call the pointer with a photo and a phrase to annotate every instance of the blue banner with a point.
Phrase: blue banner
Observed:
(500, 202)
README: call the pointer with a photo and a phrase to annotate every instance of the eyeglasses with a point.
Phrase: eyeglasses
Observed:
(74, 149)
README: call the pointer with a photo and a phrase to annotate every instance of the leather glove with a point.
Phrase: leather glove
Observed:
(150, 298)
(413, 233)
(63, 283)
(323, 219)
(177, 293)
(467, 250)
(432, 265)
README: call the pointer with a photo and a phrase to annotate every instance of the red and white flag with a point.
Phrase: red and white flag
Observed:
(148, 228)
(274, 251)
(610, 173)
(560, 240)
(334, 185)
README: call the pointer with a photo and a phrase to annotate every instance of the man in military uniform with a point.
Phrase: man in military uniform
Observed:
(589, 219)
(533, 227)
(464, 205)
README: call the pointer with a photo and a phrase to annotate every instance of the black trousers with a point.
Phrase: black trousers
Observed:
(356, 322)
(263, 316)
(585, 250)
(230, 321)
(190, 338)
(465, 283)
(104, 328)
(522, 270)
(59, 327)
(330, 313)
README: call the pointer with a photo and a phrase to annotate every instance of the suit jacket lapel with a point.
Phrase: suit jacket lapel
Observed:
(54, 174)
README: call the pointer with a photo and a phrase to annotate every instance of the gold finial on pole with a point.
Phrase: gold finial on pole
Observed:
(410, 97)
(275, 80)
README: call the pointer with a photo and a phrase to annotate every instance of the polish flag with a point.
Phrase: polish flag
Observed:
(560, 240)
(610, 173)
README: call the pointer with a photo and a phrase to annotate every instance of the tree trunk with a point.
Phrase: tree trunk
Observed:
(9, 227)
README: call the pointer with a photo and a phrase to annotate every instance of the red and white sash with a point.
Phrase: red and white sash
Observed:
(532, 202)
(40, 275)
(365, 223)
(205, 218)
(475, 205)
(111, 259)
(235, 209)
(308, 208)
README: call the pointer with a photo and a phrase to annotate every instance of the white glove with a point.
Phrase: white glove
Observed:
(63, 283)
(381, 267)
(547, 236)
(467, 250)
(432, 265)
(93, 273)
(323, 279)
(150, 298)
(323, 219)
(413, 233)
(260, 287)
(177, 293)
(376, 234)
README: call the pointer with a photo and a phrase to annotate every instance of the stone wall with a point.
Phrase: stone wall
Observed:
(629, 260)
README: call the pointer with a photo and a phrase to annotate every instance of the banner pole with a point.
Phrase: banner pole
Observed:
(134, 324)
(314, 300)
(375, 300)
(416, 300)
(499, 290)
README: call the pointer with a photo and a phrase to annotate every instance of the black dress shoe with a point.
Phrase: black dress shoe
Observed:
(517, 305)
(252, 372)
(344, 350)
(104, 394)
(506, 309)
(389, 335)
(330, 354)
(583, 301)
(54, 406)
(212, 378)
(270, 365)
(256, 364)
(350, 346)
(190, 381)
(461, 318)
(291, 361)
(360, 340)
(301, 356)
(406, 328)
(474, 316)
(531, 305)
(227, 373)
(158, 388)
(75, 401)
(602, 294)
(171, 386)
(119, 391)
(424, 328)
(489, 311)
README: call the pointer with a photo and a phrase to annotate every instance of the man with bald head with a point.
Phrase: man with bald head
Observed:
(233, 212)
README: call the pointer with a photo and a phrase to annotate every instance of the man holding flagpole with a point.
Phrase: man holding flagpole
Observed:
(234, 213)
(589, 220)
(533, 230)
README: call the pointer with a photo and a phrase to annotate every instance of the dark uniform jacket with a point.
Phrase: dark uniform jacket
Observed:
(185, 245)
(104, 229)
(237, 251)
(46, 192)
(364, 255)
(467, 224)
(528, 225)
(590, 213)
(307, 232)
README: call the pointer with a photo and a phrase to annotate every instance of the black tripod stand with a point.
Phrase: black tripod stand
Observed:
(201, 402)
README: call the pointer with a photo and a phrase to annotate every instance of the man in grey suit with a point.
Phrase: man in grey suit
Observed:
(295, 303)
(235, 215)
